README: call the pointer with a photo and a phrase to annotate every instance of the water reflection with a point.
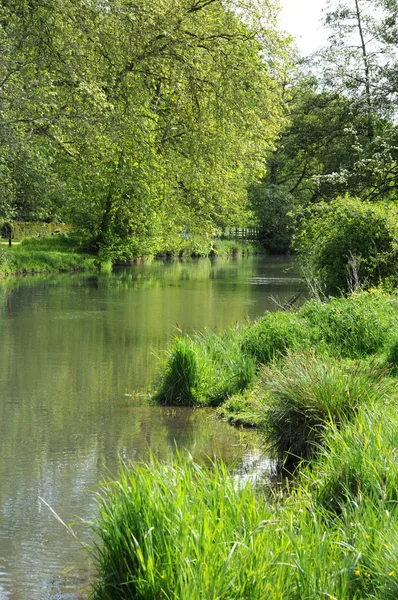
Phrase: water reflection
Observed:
(76, 352)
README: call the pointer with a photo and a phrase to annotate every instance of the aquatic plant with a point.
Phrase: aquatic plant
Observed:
(204, 369)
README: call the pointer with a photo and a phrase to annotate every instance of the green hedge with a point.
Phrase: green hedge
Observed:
(22, 230)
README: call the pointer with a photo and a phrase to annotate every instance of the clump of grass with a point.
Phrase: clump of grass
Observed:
(176, 531)
(204, 369)
(359, 462)
(246, 408)
(308, 394)
(272, 335)
(353, 327)
(180, 379)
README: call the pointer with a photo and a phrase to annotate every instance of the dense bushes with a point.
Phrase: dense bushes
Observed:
(349, 244)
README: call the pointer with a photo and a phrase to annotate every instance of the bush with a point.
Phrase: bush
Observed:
(353, 327)
(349, 244)
(274, 334)
(272, 208)
(306, 395)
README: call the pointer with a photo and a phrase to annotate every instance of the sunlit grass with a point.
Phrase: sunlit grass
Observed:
(178, 530)
(44, 255)
(204, 369)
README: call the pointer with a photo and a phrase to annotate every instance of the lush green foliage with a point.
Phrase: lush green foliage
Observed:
(349, 244)
(273, 334)
(273, 210)
(136, 121)
(204, 369)
(306, 394)
(179, 530)
(353, 327)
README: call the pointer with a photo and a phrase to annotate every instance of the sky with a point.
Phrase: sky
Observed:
(302, 19)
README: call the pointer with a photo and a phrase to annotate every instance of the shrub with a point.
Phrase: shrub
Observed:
(349, 244)
(353, 327)
(274, 334)
(272, 208)
(307, 394)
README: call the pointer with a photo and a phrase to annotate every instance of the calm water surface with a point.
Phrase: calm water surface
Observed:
(76, 356)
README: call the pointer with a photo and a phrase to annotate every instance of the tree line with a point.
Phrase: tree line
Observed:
(139, 121)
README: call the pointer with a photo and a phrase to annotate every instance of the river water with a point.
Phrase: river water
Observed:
(77, 354)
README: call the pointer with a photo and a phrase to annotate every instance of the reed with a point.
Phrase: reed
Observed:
(204, 369)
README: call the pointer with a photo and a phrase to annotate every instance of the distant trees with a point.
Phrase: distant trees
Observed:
(341, 130)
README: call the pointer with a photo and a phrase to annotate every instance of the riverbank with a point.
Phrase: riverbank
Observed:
(321, 386)
(57, 254)
(61, 253)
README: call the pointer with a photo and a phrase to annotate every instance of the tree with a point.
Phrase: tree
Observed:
(154, 116)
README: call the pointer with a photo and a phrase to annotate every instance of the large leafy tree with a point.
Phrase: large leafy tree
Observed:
(148, 116)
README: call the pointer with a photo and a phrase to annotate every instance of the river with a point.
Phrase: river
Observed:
(77, 356)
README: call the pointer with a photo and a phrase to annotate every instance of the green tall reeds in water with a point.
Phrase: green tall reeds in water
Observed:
(307, 393)
(204, 369)
(177, 530)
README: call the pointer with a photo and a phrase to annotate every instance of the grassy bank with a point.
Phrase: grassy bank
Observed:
(321, 386)
(181, 531)
(291, 374)
(62, 253)
(44, 255)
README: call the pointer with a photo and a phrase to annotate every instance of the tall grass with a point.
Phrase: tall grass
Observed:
(274, 334)
(181, 531)
(204, 369)
(307, 394)
(353, 327)
(359, 462)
